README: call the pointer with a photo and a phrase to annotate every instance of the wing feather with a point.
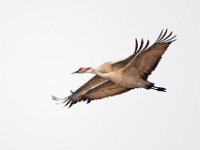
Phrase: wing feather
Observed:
(147, 44)
(141, 45)
(147, 59)
(104, 90)
(89, 84)
(159, 35)
(136, 45)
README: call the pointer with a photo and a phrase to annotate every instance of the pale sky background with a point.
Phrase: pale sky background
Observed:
(43, 41)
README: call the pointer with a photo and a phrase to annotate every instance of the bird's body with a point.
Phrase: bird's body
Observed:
(124, 78)
(113, 78)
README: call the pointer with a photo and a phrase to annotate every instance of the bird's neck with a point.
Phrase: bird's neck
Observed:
(103, 75)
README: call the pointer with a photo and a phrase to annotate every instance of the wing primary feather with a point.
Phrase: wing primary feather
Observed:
(172, 39)
(141, 45)
(159, 36)
(166, 37)
(70, 104)
(88, 101)
(147, 44)
(71, 92)
(67, 102)
(136, 46)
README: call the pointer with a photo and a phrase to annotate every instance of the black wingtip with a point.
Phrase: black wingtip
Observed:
(141, 45)
(136, 46)
(159, 35)
(70, 104)
(72, 92)
(88, 101)
(164, 37)
(66, 101)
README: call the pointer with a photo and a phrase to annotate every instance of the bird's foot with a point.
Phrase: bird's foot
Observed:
(161, 89)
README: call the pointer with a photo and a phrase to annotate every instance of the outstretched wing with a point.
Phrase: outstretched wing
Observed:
(124, 62)
(89, 84)
(102, 90)
(147, 59)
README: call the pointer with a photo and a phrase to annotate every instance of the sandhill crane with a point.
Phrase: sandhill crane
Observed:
(116, 78)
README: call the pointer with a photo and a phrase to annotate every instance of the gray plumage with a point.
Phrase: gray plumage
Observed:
(122, 76)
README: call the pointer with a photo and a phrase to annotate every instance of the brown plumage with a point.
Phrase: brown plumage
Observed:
(143, 61)
(103, 90)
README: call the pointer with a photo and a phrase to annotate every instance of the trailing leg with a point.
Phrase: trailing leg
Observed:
(162, 89)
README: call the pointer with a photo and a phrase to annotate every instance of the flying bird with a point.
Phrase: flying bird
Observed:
(114, 78)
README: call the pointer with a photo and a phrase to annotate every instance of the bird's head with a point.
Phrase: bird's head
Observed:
(84, 70)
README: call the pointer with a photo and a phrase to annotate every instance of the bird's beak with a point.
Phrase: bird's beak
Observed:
(75, 72)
